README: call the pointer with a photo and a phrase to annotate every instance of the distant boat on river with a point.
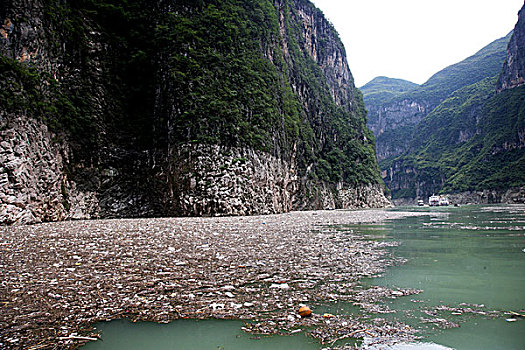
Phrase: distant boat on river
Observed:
(435, 201)
(443, 201)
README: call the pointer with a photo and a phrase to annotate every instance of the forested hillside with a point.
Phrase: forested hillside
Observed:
(208, 107)
(393, 119)
(470, 145)
(382, 89)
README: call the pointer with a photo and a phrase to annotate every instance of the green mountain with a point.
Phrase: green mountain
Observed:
(393, 119)
(133, 108)
(381, 89)
(486, 62)
(472, 144)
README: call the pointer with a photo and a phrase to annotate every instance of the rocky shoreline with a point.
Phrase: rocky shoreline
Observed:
(60, 278)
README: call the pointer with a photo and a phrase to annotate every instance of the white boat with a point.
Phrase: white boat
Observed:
(433, 201)
(443, 201)
(420, 203)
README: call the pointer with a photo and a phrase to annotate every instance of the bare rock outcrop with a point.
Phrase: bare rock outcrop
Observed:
(33, 183)
(513, 74)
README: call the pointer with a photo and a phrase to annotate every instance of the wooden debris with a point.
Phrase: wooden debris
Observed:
(74, 337)
(58, 279)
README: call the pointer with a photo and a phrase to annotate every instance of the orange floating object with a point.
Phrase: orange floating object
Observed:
(304, 311)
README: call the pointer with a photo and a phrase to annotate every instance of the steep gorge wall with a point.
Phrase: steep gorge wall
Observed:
(218, 180)
(322, 44)
(470, 147)
(513, 74)
(453, 134)
(34, 160)
(282, 169)
(34, 186)
(83, 151)
(393, 125)
(394, 120)
(215, 179)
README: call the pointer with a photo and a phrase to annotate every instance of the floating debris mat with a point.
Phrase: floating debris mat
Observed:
(58, 279)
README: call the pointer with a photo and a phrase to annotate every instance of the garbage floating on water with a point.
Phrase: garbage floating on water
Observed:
(304, 311)
(172, 268)
(280, 285)
(514, 316)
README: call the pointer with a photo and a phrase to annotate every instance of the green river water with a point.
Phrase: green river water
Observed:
(461, 257)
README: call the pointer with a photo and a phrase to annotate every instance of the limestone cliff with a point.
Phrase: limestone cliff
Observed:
(177, 108)
(394, 123)
(394, 118)
(471, 146)
(513, 74)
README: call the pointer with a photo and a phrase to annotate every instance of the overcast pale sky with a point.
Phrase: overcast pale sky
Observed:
(413, 39)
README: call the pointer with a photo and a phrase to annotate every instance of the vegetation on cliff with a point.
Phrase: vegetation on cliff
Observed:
(469, 142)
(125, 83)
(233, 73)
(382, 89)
(468, 138)
(394, 117)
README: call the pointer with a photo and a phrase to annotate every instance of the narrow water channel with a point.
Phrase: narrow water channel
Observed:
(469, 262)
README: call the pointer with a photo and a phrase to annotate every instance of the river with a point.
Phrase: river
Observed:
(468, 261)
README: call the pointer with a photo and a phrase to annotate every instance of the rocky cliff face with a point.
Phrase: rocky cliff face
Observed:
(394, 118)
(322, 44)
(34, 186)
(291, 166)
(394, 124)
(377, 93)
(471, 145)
(212, 180)
(513, 74)
(103, 113)
(63, 158)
